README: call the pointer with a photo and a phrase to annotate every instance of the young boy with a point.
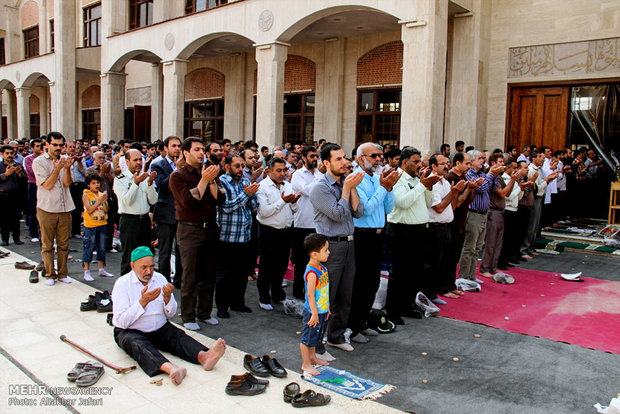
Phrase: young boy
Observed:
(95, 220)
(316, 306)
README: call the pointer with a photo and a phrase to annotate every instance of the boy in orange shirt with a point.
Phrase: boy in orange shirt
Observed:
(95, 221)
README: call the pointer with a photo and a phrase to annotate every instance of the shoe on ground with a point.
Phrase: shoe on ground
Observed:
(192, 326)
(89, 304)
(66, 279)
(255, 365)
(112, 251)
(438, 301)
(326, 356)
(24, 266)
(290, 391)
(4, 243)
(40, 267)
(344, 346)
(396, 319)
(369, 332)
(18, 242)
(284, 283)
(34, 277)
(223, 314)
(265, 306)
(359, 339)
(104, 273)
(34, 240)
(274, 367)
(87, 276)
(244, 309)
(310, 399)
(211, 321)
(50, 282)
(244, 387)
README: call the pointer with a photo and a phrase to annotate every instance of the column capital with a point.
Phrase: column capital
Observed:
(51, 83)
(267, 45)
(104, 74)
(411, 23)
(172, 61)
(23, 89)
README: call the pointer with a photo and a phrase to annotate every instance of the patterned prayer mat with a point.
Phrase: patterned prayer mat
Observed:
(345, 383)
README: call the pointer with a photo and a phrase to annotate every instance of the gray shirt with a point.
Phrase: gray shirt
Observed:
(333, 216)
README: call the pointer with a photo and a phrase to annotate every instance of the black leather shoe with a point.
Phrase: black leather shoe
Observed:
(274, 367)
(223, 314)
(250, 378)
(18, 242)
(89, 304)
(244, 387)
(396, 319)
(245, 309)
(412, 313)
(255, 366)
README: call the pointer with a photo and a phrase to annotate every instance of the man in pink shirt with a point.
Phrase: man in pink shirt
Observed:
(33, 225)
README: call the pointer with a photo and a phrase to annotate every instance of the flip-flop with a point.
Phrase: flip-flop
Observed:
(76, 371)
(91, 374)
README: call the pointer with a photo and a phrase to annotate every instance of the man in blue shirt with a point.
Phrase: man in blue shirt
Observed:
(375, 193)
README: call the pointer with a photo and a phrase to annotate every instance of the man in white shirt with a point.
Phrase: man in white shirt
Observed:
(136, 194)
(143, 302)
(440, 215)
(525, 155)
(276, 205)
(303, 180)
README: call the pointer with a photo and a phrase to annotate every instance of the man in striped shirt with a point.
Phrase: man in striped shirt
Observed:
(475, 225)
(235, 221)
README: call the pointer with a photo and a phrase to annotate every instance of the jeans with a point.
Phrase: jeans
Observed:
(94, 239)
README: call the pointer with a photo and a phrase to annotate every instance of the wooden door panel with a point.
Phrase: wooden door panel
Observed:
(538, 116)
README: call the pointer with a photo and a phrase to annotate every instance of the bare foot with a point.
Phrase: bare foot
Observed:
(177, 374)
(209, 359)
(458, 292)
(319, 361)
(451, 295)
(310, 370)
(486, 274)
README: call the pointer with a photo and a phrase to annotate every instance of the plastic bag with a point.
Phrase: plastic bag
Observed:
(425, 305)
(467, 285)
(293, 307)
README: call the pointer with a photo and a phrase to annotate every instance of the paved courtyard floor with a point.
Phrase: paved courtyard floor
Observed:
(500, 372)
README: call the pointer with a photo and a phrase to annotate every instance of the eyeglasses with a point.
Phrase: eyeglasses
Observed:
(350, 167)
(57, 145)
(373, 156)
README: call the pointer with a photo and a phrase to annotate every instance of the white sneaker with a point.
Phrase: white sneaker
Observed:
(77, 236)
(265, 306)
(50, 282)
(87, 276)
(360, 339)
(66, 279)
(34, 240)
(210, 321)
(192, 326)
(113, 251)
(102, 272)
(326, 356)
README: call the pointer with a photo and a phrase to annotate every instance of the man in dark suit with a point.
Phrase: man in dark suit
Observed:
(164, 213)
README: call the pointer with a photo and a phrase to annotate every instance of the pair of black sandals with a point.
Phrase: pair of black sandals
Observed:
(85, 374)
(292, 394)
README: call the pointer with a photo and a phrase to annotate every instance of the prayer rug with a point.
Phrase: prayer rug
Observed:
(542, 304)
(350, 385)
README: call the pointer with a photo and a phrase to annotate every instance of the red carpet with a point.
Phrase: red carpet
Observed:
(586, 314)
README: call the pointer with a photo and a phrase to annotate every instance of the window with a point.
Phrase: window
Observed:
(379, 116)
(299, 118)
(92, 26)
(52, 35)
(91, 124)
(193, 6)
(205, 119)
(35, 125)
(2, 59)
(140, 13)
(31, 42)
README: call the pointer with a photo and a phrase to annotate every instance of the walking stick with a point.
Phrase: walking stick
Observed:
(116, 368)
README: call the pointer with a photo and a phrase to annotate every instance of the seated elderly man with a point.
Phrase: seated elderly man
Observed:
(143, 302)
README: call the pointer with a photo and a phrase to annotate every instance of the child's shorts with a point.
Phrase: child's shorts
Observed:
(311, 336)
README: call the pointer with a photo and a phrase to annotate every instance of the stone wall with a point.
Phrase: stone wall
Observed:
(381, 66)
(299, 74)
(204, 83)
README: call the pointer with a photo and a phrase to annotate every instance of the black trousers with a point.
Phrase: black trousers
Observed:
(231, 278)
(408, 277)
(457, 239)
(341, 268)
(166, 234)
(253, 247)
(275, 250)
(135, 231)
(77, 190)
(441, 273)
(300, 259)
(197, 246)
(113, 218)
(9, 215)
(33, 223)
(144, 346)
(510, 244)
(367, 255)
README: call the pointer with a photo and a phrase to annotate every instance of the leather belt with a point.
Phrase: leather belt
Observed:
(340, 238)
(202, 224)
(477, 212)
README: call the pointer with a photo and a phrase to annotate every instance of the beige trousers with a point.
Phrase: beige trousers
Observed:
(54, 226)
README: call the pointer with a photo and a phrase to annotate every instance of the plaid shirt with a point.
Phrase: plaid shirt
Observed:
(235, 215)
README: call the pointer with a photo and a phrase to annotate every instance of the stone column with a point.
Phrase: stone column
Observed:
(424, 73)
(270, 93)
(112, 106)
(156, 102)
(234, 107)
(174, 97)
(11, 118)
(43, 111)
(333, 92)
(44, 28)
(66, 87)
(1, 114)
(113, 18)
(23, 112)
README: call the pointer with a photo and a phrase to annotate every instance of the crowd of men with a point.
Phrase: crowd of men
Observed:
(221, 210)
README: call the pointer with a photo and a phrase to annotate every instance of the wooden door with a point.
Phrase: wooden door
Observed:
(538, 116)
(142, 123)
